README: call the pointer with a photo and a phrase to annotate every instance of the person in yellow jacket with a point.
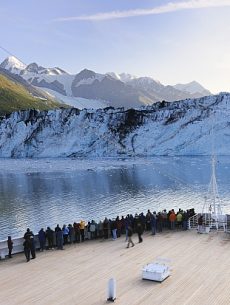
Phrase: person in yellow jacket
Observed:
(179, 219)
(82, 230)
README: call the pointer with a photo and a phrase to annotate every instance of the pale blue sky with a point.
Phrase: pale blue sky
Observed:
(175, 43)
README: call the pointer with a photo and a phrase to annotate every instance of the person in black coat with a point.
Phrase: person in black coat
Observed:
(139, 232)
(50, 237)
(29, 242)
(130, 233)
(42, 239)
(27, 247)
(10, 246)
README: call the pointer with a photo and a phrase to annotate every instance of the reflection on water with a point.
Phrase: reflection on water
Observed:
(39, 199)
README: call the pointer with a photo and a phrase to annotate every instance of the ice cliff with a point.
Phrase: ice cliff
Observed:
(189, 127)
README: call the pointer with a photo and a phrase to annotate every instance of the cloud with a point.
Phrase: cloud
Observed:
(169, 7)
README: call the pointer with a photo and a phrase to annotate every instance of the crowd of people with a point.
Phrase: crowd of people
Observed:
(78, 232)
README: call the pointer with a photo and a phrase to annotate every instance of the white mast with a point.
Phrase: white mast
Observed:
(215, 205)
(212, 206)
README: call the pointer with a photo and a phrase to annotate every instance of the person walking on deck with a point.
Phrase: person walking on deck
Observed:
(27, 246)
(130, 233)
(139, 232)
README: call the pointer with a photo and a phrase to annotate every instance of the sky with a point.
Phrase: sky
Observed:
(173, 41)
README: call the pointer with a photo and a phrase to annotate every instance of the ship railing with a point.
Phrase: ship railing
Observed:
(209, 222)
(17, 246)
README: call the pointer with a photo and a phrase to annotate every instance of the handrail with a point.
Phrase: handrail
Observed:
(208, 221)
(17, 246)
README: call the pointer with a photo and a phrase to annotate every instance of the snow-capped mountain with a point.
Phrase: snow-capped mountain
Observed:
(193, 88)
(117, 90)
(17, 79)
(158, 91)
(13, 65)
(189, 127)
(124, 77)
(34, 68)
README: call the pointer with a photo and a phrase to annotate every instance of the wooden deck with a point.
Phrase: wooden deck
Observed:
(79, 274)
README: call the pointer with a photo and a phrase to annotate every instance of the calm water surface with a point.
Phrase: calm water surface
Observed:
(71, 190)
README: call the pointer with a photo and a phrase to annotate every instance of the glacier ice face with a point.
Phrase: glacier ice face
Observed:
(189, 127)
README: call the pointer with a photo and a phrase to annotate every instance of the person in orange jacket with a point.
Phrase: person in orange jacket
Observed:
(172, 219)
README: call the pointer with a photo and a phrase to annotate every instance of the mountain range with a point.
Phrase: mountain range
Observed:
(88, 89)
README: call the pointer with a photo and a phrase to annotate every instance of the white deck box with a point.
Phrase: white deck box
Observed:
(155, 272)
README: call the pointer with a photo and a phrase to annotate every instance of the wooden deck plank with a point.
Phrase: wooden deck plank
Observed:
(79, 274)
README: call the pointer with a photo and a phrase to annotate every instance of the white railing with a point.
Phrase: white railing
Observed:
(209, 222)
(17, 246)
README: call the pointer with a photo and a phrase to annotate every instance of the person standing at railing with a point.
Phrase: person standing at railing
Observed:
(185, 220)
(10, 246)
(29, 242)
(42, 239)
(82, 230)
(27, 246)
(172, 219)
(200, 224)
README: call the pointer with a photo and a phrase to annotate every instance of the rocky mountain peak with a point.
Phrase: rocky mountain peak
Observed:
(11, 63)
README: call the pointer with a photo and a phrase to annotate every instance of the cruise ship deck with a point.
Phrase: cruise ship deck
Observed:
(79, 274)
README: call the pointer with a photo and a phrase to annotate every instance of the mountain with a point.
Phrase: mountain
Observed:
(110, 89)
(91, 85)
(193, 88)
(17, 94)
(13, 65)
(188, 127)
(158, 92)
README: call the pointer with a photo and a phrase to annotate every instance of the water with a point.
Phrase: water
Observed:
(41, 193)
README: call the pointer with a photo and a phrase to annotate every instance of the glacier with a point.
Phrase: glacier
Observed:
(188, 127)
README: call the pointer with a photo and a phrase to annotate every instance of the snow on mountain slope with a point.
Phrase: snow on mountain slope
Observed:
(87, 77)
(126, 77)
(13, 65)
(77, 102)
(118, 90)
(178, 128)
(34, 68)
(193, 88)
(60, 82)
